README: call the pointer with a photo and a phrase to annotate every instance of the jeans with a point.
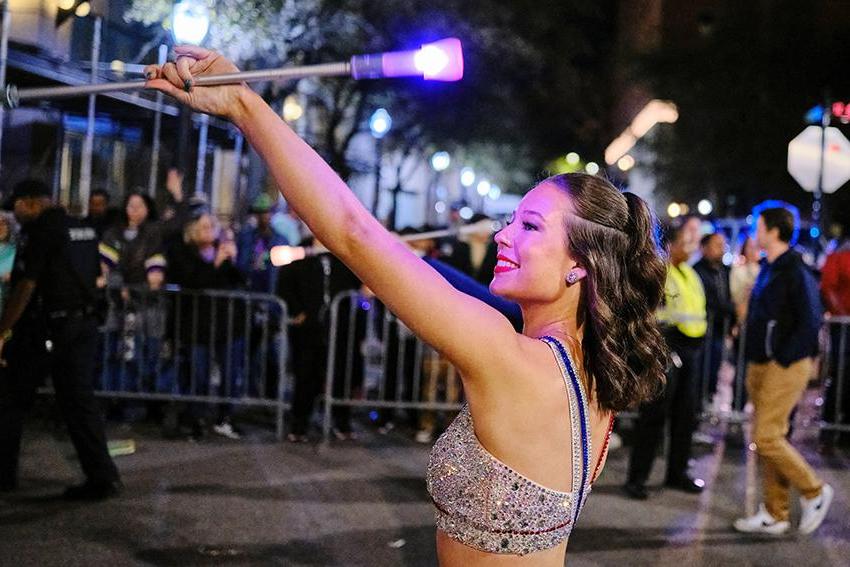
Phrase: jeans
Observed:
(133, 364)
(197, 371)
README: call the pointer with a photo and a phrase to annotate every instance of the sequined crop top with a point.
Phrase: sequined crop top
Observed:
(483, 503)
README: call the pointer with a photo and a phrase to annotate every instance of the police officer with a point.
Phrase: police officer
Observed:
(52, 299)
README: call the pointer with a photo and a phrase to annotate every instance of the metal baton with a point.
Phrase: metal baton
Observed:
(439, 61)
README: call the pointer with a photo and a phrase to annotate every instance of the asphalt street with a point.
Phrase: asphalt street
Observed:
(259, 502)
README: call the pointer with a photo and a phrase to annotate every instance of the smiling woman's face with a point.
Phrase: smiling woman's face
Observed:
(137, 210)
(533, 258)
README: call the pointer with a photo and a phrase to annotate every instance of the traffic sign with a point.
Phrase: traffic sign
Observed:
(804, 159)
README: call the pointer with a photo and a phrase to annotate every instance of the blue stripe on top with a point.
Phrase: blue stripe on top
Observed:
(567, 360)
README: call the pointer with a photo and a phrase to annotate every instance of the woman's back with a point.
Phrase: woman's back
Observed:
(515, 483)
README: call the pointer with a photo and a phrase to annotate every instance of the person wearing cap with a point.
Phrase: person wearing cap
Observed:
(254, 246)
(253, 259)
(52, 299)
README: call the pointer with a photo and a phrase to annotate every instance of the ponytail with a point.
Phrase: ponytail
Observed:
(613, 236)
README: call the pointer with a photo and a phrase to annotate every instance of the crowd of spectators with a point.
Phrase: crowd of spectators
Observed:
(196, 344)
(154, 344)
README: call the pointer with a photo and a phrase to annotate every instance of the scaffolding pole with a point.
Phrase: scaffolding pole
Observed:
(88, 143)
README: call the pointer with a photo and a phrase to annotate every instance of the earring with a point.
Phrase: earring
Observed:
(572, 277)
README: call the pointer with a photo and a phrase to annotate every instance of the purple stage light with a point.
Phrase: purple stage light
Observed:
(438, 61)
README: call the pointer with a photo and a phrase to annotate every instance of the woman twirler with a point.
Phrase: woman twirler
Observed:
(510, 476)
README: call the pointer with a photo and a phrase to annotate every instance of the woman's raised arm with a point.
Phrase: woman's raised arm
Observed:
(473, 336)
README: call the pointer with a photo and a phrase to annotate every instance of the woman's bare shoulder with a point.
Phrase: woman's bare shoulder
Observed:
(518, 391)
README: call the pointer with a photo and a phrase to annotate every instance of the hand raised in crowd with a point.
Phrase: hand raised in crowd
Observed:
(177, 79)
(226, 251)
(174, 184)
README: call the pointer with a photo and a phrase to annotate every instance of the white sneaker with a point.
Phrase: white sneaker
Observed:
(815, 509)
(423, 436)
(225, 429)
(762, 523)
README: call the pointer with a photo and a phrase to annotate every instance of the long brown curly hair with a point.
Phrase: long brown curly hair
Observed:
(614, 237)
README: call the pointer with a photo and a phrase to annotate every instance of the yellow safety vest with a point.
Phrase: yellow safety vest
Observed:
(684, 305)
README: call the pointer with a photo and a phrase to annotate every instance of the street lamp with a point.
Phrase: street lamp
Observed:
(483, 189)
(467, 176)
(83, 10)
(292, 109)
(440, 162)
(379, 124)
(626, 162)
(190, 21)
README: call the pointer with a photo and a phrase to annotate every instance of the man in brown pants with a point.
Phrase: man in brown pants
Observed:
(783, 321)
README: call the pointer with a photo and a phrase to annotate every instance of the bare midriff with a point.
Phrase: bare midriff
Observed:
(452, 553)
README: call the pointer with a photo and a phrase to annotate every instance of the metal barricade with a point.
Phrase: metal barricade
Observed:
(722, 372)
(374, 361)
(205, 346)
(836, 367)
(731, 397)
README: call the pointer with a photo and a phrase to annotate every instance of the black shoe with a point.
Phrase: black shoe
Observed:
(8, 485)
(686, 484)
(635, 491)
(198, 430)
(94, 491)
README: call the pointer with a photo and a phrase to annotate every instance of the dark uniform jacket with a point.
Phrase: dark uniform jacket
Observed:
(785, 312)
(60, 254)
(718, 300)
